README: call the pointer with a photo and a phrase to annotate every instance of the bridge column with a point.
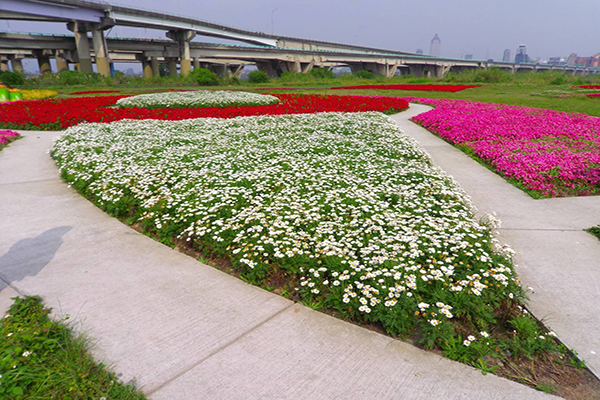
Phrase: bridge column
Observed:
(101, 51)
(196, 63)
(172, 61)
(17, 64)
(62, 64)
(82, 43)
(154, 66)
(4, 64)
(43, 59)
(416, 70)
(307, 67)
(146, 66)
(269, 68)
(183, 38)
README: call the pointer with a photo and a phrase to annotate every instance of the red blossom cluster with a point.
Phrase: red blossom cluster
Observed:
(427, 88)
(586, 87)
(96, 91)
(56, 114)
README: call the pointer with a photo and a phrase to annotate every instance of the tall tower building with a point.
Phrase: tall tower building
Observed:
(521, 56)
(506, 56)
(436, 46)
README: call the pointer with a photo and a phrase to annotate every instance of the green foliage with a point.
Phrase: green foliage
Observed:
(40, 359)
(12, 78)
(364, 74)
(163, 69)
(490, 75)
(204, 77)
(595, 230)
(258, 76)
(322, 73)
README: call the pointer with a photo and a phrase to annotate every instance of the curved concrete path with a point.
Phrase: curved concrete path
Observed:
(184, 330)
(557, 260)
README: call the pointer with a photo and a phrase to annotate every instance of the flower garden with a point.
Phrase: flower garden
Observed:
(343, 208)
(197, 99)
(547, 153)
(326, 199)
(57, 114)
(7, 136)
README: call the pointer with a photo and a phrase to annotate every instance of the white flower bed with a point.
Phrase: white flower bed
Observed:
(200, 98)
(347, 203)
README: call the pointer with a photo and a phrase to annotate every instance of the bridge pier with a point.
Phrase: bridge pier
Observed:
(101, 51)
(43, 59)
(196, 63)
(154, 66)
(17, 64)
(82, 44)
(62, 63)
(172, 62)
(4, 64)
(269, 68)
(146, 66)
(183, 38)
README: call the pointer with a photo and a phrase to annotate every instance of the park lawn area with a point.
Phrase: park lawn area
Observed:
(41, 358)
(528, 95)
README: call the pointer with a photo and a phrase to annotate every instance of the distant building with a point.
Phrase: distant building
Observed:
(468, 56)
(436, 46)
(419, 51)
(506, 55)
(521, 56)
(595, 60)
(556, 61)
(572, 59)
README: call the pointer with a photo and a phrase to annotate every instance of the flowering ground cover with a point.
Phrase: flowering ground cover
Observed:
(587, 87)
(7, 136)
(96, 91)
(38, 94)
(428, 87)
(345, 208)
(57, 114)
(199, 98)
(547, 153)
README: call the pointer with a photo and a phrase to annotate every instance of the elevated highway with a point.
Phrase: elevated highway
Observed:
(226, 59)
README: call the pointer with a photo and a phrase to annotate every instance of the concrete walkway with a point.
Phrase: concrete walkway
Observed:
(184, 330)
(556, 258)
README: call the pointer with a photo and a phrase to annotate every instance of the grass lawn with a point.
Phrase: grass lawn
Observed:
(41, 358)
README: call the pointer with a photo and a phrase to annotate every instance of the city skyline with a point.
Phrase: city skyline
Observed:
(466, 26)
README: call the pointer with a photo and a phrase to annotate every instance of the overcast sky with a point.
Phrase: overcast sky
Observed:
(482, 28)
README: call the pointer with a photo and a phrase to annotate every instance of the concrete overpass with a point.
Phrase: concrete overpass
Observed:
(226, 59)
(83, 17)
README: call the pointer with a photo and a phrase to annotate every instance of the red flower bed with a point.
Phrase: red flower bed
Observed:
(587, 87)
(428, 88)
(97, 91)
(56, 114)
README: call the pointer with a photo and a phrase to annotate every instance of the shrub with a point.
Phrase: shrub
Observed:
(364, 74)
(204, 77)
(258, 76)
(12, 78)
(322, 73)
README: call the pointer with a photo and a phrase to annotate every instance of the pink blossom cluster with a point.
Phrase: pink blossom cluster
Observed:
(7, 136)
(549, 152)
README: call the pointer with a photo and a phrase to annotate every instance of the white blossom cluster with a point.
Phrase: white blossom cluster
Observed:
(196, 99)
(346, 202)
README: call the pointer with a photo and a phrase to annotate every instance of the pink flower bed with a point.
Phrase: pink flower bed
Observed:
(550, 153)
(587, 87)
(8, 136)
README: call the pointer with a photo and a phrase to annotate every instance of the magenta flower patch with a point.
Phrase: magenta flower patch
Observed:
(550, 153)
